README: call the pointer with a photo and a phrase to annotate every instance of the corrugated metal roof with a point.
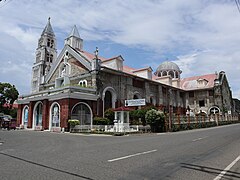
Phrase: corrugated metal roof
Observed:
(193, 83)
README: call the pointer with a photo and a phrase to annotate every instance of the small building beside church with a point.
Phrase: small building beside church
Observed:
(76, 84)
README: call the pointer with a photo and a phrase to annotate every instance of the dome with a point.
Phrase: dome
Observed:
(167, 65)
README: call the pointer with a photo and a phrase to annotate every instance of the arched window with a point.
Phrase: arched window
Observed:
(51, 58)
(52, 44)
(25, 116)
(171, 73)
(83, 113)
(164, 73)
(38, 114)
(176, 75)
(151, 100)
(55, 115)
(48, 42)
(135, 96)
(107, 100)
(83, 83)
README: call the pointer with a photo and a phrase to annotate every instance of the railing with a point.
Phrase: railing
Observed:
(178, 121)
(109, 128)
(174, 123)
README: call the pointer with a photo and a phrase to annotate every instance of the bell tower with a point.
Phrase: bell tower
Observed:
(46, 54)
(74, 39)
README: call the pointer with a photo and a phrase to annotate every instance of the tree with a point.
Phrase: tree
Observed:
(155, 119)
(8, 94)
(140, 114)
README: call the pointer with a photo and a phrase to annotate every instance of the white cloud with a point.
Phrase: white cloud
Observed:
(202, 34)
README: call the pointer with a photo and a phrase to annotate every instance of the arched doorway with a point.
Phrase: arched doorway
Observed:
(136, 95)
(108, 100)
(83, 113)
(37, 115)
(54, 116)
(25, 116)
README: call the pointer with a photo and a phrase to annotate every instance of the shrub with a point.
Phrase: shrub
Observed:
(137, 114)
(101, 121)
(73, 122)
(109, 114)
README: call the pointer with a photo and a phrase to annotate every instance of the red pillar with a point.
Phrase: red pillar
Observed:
(45, 114)
(30, 114)
(19, 114)
(64, 112)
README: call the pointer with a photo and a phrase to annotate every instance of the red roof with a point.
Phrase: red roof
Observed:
(192, 83)
(91, 56)
(128, 69)
(143, 69)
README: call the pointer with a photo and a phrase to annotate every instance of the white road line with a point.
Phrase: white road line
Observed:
(132, 155)
(198, 139)
(1, 143)
(227, 169)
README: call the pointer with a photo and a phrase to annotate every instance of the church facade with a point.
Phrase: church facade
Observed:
(76, 84)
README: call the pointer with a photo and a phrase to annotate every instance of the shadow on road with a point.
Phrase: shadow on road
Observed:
(210, 170)
(45, 166)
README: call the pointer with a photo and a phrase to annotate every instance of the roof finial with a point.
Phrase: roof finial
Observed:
(49, 19)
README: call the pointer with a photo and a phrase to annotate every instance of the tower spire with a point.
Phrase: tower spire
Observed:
(48, 28)
(46, 54)
(74, 39)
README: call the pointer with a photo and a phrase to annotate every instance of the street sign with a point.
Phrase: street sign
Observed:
(135, 102)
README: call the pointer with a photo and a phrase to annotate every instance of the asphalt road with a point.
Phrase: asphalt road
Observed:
(198, 154)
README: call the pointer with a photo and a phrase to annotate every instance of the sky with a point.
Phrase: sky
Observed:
(201, 36)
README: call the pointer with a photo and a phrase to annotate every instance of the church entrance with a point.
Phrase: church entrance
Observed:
(83, 113)
(108, 100)
(37, 116)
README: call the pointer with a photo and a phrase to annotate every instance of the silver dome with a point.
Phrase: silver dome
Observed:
(167, 65)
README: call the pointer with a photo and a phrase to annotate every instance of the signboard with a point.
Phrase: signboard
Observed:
(214, 110)
(135, 102)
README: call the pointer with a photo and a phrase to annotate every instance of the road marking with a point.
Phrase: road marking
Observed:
(132, 155)
(227, 169)
(198, 139)
(1, 143)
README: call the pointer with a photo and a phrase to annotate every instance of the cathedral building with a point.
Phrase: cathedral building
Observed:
(76, 84)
